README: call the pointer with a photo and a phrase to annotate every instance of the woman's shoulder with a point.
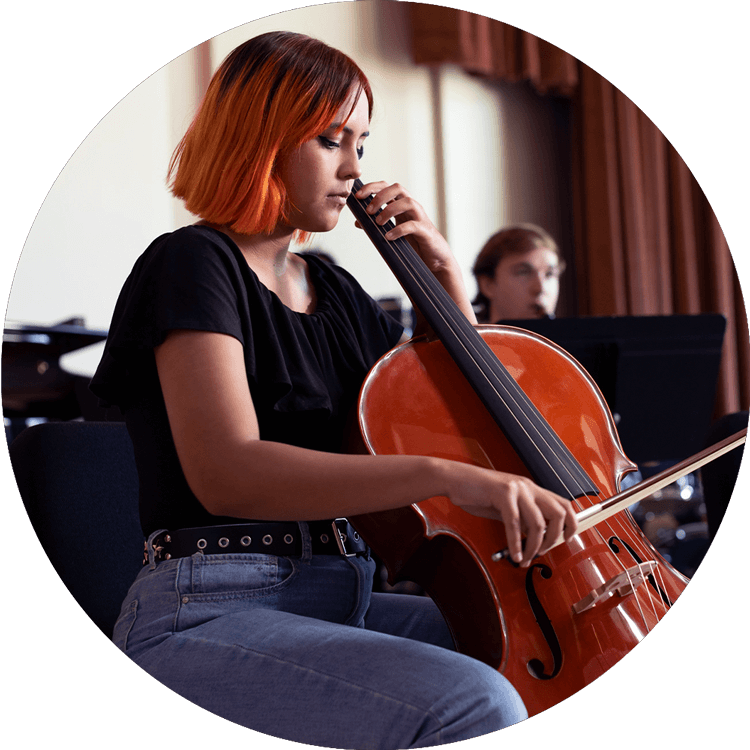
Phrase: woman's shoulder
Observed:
(189, 250)
(191, 238)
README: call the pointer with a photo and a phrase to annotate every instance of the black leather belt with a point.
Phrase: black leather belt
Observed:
(335, 537)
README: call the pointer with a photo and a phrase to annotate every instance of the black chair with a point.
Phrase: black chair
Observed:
(79, 484)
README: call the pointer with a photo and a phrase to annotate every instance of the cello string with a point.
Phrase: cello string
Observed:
(491, 366)
(425, 281)
(437, 290)
(414, 269)
(421, 275)
(407, 260)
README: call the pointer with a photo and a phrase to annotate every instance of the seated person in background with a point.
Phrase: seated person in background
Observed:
(518, 275)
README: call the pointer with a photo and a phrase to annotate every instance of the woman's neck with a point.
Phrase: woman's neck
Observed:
(266, 254)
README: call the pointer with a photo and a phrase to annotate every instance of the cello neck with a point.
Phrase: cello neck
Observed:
(549, 462)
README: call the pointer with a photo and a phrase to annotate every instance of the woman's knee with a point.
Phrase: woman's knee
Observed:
(479, 701)
(503, 703)
(496, 698)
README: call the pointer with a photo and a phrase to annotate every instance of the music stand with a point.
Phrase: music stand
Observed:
(658, 375)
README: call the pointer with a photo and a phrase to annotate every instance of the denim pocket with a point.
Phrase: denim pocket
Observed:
(217, 577)
(211, 586)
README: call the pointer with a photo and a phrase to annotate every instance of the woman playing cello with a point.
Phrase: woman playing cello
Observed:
(236, 363)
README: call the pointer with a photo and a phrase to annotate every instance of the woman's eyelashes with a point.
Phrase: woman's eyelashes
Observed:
(330, 143)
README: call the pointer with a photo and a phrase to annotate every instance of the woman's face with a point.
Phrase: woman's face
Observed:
(318, 176)
(525, 285)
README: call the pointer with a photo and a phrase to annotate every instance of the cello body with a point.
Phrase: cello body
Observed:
(551, 628)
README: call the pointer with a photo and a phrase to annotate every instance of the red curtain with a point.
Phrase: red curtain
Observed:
(489, 48)
(646, 239)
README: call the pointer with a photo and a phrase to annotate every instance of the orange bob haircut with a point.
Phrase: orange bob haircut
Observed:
(272, 94)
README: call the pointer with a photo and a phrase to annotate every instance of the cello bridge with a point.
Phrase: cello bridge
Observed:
(623, 584)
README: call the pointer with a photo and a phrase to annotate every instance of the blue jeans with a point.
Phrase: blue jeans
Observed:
(299, 648)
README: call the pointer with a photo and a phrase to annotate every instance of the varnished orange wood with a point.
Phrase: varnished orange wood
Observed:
(416, 402)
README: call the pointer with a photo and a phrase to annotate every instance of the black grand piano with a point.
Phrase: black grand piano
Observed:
(34, 385)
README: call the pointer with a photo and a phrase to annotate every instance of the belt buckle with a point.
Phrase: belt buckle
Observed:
(340, 536)
(157, 543)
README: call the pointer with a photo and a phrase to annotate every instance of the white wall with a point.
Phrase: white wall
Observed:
(107, 203)
(110, 200)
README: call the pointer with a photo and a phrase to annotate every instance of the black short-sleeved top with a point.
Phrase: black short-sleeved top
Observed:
(304, 370)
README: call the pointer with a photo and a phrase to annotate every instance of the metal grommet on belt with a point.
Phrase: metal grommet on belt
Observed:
(201, 544)
(223, 542)
(267, 539)
(246, 541)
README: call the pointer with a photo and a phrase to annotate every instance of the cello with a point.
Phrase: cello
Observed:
(506, 399)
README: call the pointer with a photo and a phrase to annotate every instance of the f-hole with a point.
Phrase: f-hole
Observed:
(535, 666)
